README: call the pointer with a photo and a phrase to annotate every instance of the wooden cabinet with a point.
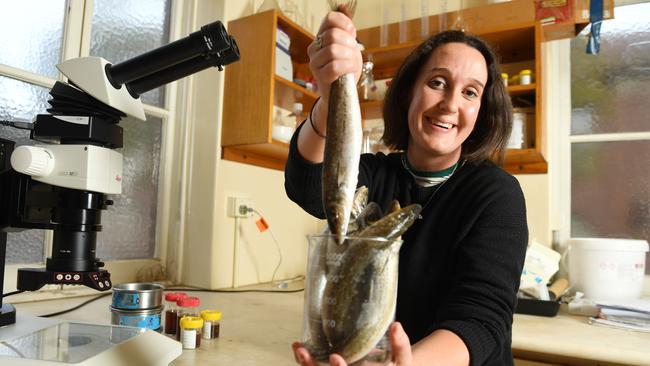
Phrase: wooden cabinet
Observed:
(251, 87)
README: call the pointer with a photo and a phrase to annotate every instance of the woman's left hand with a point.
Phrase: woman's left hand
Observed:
(400, 344)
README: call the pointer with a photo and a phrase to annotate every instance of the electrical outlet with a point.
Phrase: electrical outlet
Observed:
(240, 207)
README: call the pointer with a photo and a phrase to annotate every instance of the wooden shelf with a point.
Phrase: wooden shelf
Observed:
(522, 89)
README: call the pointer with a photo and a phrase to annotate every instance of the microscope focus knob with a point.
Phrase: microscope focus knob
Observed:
(32, 160)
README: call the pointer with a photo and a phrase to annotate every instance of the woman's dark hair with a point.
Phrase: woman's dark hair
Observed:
(490, 136)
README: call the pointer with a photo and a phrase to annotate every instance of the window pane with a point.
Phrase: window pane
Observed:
(129, 226)
(610, 189)
(20, 100)
(33, 31)
(123, 29)
(608, 92)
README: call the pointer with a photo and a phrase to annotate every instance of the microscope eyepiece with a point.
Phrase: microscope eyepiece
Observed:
(210, 41)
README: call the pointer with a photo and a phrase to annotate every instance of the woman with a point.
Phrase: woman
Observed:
(449, 114)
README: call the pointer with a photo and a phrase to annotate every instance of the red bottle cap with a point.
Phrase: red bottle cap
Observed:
(175, 296)
(189, 302)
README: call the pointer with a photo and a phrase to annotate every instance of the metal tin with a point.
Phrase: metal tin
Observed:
(137, 296)
(147, 318)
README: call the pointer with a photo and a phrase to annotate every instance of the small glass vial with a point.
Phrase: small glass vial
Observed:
(191, 328)
(211, 323)
(171, 311)
(188, 306)
(366, 86)
(525, 77)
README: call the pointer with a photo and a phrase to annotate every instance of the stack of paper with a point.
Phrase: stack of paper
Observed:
(629, 314)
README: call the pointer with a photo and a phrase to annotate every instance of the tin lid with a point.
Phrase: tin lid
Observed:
(189, 302)
(211, 315)
(191, 322)
(175, 296)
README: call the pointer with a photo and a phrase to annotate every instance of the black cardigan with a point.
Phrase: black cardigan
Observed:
(460, 264)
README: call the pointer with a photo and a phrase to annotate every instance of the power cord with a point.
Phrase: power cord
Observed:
(12, 293)
(76, 307)
(167, 289)
(263, 225)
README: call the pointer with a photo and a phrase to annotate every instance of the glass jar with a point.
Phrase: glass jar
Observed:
(366, 87)
(191, 328)
(171, 311)
(340, 315)
(188, 306)
(211, 323)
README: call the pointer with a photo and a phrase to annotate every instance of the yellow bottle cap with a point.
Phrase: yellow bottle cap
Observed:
(525, 72)
(504, 75)
(211, 315)
(191, 322)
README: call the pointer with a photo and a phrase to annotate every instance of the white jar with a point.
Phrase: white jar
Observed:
(607, 269)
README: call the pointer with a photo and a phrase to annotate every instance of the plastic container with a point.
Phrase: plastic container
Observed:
(525, 77)
(211, 323)
(339, 311)
(171, 311)
(607, 269)
(191, 328)
(188, 306)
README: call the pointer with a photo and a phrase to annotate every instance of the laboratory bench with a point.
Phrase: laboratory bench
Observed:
(257, 328)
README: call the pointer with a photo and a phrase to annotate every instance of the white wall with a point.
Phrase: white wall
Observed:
(220, 251)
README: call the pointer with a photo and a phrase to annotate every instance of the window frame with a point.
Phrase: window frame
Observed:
(76, 43)
(561, 183)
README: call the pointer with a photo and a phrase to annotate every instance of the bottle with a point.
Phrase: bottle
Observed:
(190, 330)
(171, 311)
(366, 86)
(211, 323)
(296, 115)
(525, 77)
(188, 306)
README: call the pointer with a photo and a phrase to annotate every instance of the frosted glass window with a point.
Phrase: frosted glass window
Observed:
(608, 91)
(610, 180)
(123, 29)
(610, 189)
(33, 31)
(22, 101)
(129, 226)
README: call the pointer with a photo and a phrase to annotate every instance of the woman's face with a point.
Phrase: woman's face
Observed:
(445, 104)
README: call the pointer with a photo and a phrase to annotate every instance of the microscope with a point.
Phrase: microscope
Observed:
(62, 183)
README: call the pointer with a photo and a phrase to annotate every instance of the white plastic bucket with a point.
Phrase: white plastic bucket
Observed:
(607, 269)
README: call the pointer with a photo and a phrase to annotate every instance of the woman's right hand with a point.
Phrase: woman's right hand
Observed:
(399, 341)
(334, 52)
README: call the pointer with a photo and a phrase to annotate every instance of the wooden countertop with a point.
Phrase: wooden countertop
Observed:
(257, 328)
(570, 339)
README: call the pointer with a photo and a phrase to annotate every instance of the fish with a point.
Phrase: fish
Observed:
(365, 268)
(342, 154)
(316, 274)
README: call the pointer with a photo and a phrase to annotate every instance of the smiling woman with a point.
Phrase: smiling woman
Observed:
(448, 111)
